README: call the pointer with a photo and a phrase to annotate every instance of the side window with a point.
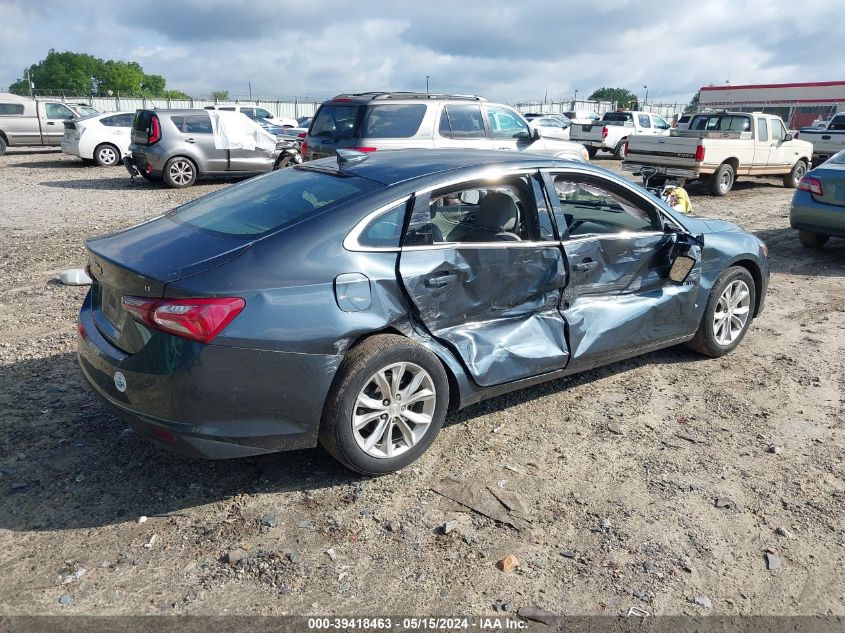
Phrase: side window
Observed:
(592, 207)
(179, 122)
(644, 122)
(762, 130)
(462, 121)
(110, 121)
(57, 111)
(227, 109)
(393, 121)
(838, 123)
(660, 123)
(506, 124)
(778, 133)
(124, 120)
(197, 124)
(385, 230)
(250, 112)
(264, 114)
(477, 212)
(11, 108)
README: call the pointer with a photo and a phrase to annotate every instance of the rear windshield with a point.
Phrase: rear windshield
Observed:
(721, 123)
(618, 116)
(392, 121)
(838, 159)
(143, 121)
(270, 202)
(335, 121)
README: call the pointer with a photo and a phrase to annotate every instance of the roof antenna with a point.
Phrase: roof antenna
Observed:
(350, 157)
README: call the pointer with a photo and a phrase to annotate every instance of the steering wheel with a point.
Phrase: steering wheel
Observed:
(578, 223)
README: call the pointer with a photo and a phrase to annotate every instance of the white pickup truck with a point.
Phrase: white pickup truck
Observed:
(612, 132)
(719, 146)
(826, 140)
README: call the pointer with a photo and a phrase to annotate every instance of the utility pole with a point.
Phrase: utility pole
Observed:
(645, 101)
(426, 84)
(250, 90)
(29, 83)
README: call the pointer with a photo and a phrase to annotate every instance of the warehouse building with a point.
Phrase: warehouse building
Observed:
(797, 104)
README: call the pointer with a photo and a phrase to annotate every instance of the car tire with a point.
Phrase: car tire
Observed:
(619, 152)
(591, 152)
(179, 172)
(3, 145)
(809, 239)
(791, 180)
(388, 356)
(106, 155)
(722, 180)
(711, 338)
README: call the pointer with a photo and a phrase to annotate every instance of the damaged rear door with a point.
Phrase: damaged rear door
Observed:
(485, 275)
(619, 300)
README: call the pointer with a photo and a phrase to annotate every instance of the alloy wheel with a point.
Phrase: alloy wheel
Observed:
(394, 410)
(107, 156)
(732, 311)
(181, 172)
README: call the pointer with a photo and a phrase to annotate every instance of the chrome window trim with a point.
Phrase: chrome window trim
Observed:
(469, 245)
(622, 235)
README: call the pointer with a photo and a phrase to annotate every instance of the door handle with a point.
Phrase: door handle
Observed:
(51, 122)
(439, 281)
(190, 140)
(587, 264)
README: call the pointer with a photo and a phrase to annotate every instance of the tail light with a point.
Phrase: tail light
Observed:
(699, 154)
(302, 135)
(364, 149)
(625, 150)
(196, 319)
(813, 185)
(604, 132)
(155, 130)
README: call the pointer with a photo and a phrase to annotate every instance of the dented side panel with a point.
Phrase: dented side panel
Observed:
(495, 307)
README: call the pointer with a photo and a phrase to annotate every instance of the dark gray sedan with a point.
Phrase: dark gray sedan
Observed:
(818, 205)
(356, 300)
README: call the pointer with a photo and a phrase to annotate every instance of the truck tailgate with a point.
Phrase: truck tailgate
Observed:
(586, 132)
(825, 143)
(666, 151)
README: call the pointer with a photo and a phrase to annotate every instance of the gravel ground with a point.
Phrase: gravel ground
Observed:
(660, 482)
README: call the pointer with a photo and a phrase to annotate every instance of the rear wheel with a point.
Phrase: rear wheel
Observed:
(179, 172)
(386, 406)
(591, 152)
(2, 145)
(792, 179)
(619, 152)
(812, 240)
(722, 181)
(727, 315)
(106, 155)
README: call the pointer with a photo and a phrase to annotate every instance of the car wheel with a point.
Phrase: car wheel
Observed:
(106, 155)
(591, 152)
(722, 181)
(179, 172)
(812, 240)
(2, 145)
(619, 152)
(727, 315)
(792, 179)
(386, 406)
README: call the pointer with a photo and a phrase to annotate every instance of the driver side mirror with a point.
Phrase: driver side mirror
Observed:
(681, 268)
(786, 138)
(535, 134)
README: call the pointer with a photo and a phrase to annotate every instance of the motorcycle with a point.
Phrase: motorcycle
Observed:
(671, 193)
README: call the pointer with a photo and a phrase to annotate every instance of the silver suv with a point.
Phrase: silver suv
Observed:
(178, 146)
(373, 121)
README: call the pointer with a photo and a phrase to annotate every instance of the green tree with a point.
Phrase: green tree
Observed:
(621, 96)
(153, 85)
(693, 103)
(174, 94)
(220, 95)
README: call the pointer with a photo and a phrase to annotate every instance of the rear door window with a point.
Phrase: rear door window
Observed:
(335, 121)
(462, 121)
(392, 121)
(624, 117)
(762, 130)
(721, 123)
(197, 124)
(644, 122)
(267, 203)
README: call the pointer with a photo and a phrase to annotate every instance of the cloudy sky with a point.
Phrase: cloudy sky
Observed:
(505, 50)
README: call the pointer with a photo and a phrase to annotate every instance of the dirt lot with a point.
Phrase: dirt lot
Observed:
(620, 468)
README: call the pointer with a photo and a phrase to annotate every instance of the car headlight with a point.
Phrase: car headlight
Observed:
(763, 247)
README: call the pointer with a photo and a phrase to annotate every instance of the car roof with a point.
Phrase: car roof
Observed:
(392, 167)
(367, 97)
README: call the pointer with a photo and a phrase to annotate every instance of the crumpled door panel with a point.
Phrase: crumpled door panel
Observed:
(497, 307)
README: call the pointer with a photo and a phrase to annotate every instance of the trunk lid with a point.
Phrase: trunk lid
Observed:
(141, 261)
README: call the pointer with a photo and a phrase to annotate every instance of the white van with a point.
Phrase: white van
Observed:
(254, 112)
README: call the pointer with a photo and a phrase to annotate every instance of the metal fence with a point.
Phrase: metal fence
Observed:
(666, 110)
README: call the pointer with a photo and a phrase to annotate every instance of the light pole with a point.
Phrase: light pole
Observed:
(426, 84)
(575, 100)
(645, 101)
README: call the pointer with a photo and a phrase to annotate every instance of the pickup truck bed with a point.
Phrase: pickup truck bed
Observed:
(826, 141)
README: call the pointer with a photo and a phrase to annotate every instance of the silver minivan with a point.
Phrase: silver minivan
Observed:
(373, 121)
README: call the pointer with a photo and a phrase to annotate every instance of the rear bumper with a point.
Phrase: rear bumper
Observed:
(663, 170)
(209, 401)
(71, 147)
(807, 214)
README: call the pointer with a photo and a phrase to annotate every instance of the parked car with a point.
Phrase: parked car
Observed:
(827, 140)
(102, 138)
(83, 109)
(304, 121)
(179, 146)
(818, 205)
(31, 123)
(581, 117)
(612, 132)
(719, 146)
(552, 126)
(254, 112)
(389, 120)
(530, 116)
(355, 300)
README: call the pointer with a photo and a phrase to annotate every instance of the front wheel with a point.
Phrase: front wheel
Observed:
(809, 239)
(591, 152)
(386, 406)
(727, 315)
(792, 179)
(722, 181)
(179, 172)
(2, 145)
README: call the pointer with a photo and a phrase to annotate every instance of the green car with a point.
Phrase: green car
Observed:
(818, 206)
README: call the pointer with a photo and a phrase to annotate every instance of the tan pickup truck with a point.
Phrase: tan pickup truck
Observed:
(28, 122)
(719, 146)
